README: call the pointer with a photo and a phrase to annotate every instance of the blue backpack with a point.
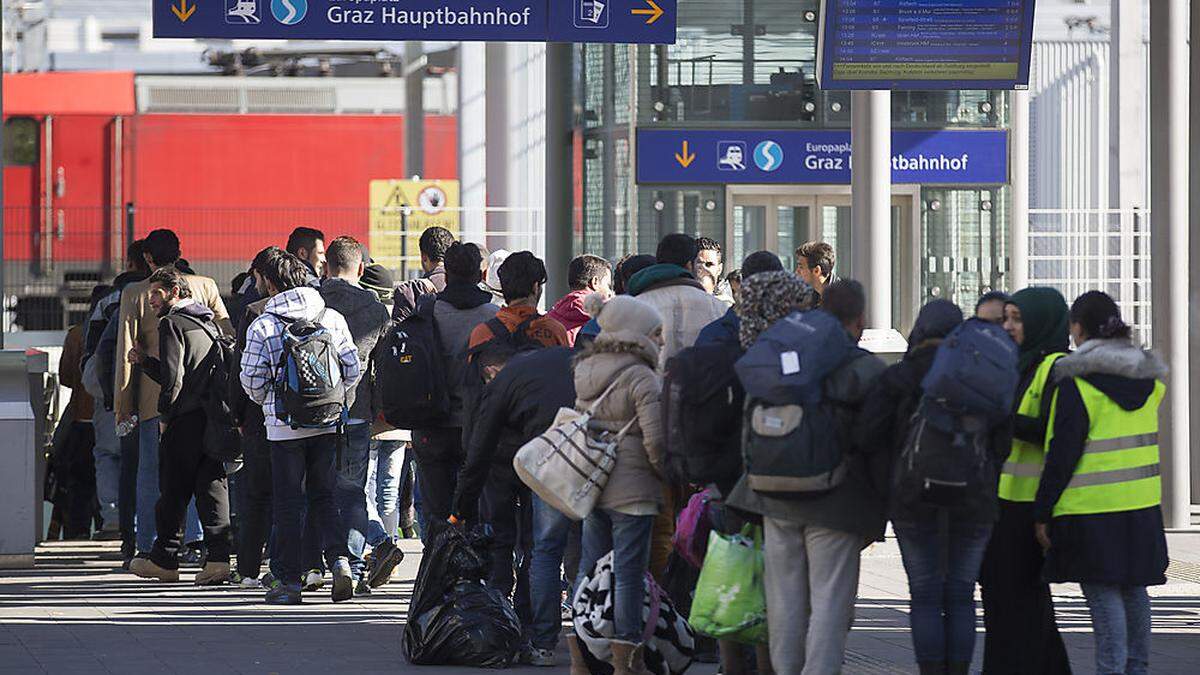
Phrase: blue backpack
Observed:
(974, 374)
(791, 444)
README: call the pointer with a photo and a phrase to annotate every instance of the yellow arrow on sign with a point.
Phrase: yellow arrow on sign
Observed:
(685, 160)
(183, 11)
(652, 11)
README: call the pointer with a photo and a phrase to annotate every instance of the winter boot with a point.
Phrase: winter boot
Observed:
(627, 658)
(578, 665)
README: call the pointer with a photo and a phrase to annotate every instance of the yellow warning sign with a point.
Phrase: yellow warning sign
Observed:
(401, 210)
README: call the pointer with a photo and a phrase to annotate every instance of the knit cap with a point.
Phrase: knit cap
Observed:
(623, 317)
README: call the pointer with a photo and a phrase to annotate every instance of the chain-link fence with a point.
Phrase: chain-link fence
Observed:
(54, 257)
(1078, 250)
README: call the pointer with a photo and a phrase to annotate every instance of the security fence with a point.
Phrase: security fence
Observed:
(54, 257)
(1078, 250)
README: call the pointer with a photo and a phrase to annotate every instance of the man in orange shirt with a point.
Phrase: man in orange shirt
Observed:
(522, 279)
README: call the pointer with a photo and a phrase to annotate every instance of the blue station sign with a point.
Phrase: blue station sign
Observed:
(925, 44)
(946, 156)
(601, 21)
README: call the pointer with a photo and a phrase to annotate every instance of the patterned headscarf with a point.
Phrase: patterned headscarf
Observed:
(768, 297)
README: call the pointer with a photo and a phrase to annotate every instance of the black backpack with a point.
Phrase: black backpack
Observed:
(222, 438)
(309, 393)
(942, 468)
(504, 344)
(410, 371)
(702, 406)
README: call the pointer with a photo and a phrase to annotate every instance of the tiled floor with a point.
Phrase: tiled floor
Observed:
(77, 612)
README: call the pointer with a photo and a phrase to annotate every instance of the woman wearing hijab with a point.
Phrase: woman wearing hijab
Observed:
(1018, 612)
(1098, 507)
(942, 565)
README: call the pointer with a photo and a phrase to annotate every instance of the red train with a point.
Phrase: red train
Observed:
(231, 164)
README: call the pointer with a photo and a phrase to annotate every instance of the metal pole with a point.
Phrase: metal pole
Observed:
(472, 140)
(871, 201)
(414, 109)
(749, 24)
(1169, 243)
(1018, 153)
(559, 164)
(499, 139)
(1194, 244)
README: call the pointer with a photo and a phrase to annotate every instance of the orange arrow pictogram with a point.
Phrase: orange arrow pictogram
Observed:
(183, 11)
(652, 11)
(685, 160)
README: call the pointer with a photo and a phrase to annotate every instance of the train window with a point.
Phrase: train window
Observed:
(20, 141)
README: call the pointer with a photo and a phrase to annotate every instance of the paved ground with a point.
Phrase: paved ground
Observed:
(77, 612)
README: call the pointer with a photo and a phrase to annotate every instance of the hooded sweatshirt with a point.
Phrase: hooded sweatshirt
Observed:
(1124, 548)
(569, 312)
(183, 368)
(367, 319)
(264, 351)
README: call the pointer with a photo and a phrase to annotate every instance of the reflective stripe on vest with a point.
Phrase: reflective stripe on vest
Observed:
(1119, 469)
(1021, 471)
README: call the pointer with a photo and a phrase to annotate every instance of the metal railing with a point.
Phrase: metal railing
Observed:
(1078, 250)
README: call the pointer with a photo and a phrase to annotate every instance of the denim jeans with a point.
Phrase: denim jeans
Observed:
(384, 475)
(352, 491)
(254, 521)
(628, 537)
(107, 454)
(127, 490)
(147, 491)
(506, 512)
(941, 582)
(550, 528)
(303, 480)
(1121, 623)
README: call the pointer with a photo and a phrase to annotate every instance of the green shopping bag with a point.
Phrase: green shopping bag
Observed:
(730, 601)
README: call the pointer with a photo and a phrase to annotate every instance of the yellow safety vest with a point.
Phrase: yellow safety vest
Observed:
(1119, 468)
(1023, 469)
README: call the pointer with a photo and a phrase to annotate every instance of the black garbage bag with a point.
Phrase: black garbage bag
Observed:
(454, 618)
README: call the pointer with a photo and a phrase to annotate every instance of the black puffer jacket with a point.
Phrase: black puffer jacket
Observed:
(183, 369)
(1127, 547)
(516, 406)
(367, 319)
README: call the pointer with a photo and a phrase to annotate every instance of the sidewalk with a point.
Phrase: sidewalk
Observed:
(77, 612)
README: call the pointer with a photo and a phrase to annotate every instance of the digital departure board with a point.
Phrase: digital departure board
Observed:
(925, 44)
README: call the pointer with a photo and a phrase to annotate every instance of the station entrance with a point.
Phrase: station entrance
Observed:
(781, 218)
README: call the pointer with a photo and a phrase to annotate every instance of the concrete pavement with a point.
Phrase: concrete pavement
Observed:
(78, 612)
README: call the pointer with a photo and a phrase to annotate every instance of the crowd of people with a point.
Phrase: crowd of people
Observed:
(337, 459)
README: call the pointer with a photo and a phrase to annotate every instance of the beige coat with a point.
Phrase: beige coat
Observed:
(686, 308)
(636, 483)
(139, 326)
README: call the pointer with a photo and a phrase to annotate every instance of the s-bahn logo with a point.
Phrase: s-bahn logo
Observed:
(289, 12)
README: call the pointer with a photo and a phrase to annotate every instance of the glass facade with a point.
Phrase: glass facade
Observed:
(751, 64)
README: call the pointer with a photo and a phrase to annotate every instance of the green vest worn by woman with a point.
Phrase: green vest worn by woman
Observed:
(1119, 469)
(1023, 469)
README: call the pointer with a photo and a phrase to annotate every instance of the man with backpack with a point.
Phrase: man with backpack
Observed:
(135, 394)
(189, 354)
(367, 319)
(522, 280)
(817, 505)
(423, 359)
(301, 365)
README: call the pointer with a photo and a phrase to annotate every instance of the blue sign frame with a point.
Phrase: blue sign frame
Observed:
(816, 156)
(599, 21)
(925, 44)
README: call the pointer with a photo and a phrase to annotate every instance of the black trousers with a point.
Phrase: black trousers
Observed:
(184, 471)
(506, 507)
(439, 457)
(77, 474)
(1018, 612)
(127, 489)
(254, 521)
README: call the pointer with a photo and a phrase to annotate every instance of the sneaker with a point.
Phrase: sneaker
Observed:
(540, 658)
(213, 574)
(283, 595)
(268, 580)
(383, 562)
(147, 569)
(247, 582)
(314, 580)
(362, 587)
(343, 581)
(193, 555)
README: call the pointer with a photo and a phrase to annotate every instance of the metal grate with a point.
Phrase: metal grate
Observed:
(1180, 570)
